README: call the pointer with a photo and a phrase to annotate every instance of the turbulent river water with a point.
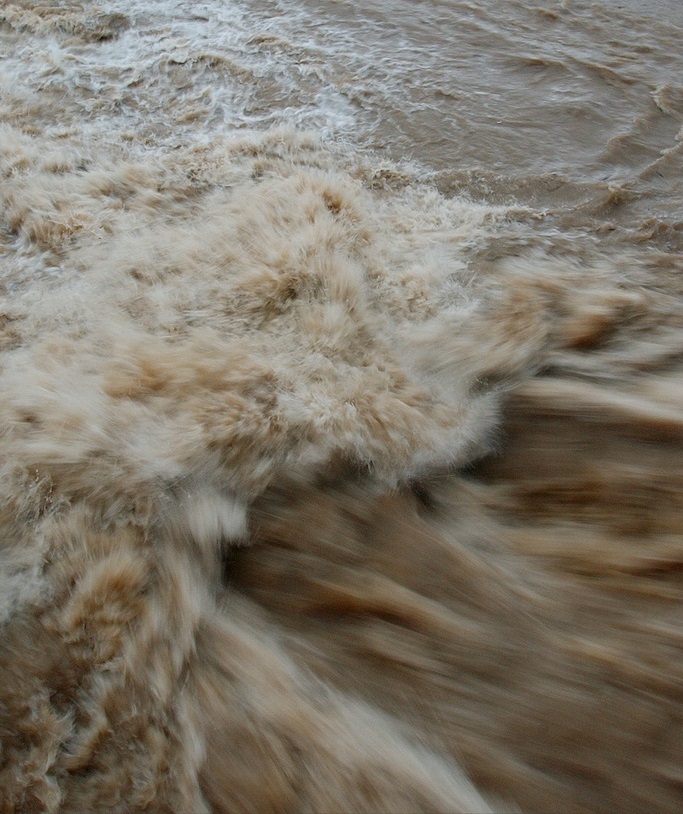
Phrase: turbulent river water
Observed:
(340, 406)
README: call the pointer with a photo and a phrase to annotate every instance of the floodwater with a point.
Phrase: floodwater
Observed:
(340, 402)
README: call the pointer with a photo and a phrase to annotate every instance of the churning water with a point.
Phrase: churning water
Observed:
(340, 402)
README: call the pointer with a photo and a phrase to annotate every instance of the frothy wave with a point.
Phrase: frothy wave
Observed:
(321, 489)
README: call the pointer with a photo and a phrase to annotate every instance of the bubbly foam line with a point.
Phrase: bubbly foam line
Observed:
(149, 63)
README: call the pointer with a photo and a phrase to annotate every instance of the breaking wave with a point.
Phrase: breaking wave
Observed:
(324, 488)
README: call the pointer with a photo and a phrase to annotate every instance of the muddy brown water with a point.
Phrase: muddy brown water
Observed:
(341, 394)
